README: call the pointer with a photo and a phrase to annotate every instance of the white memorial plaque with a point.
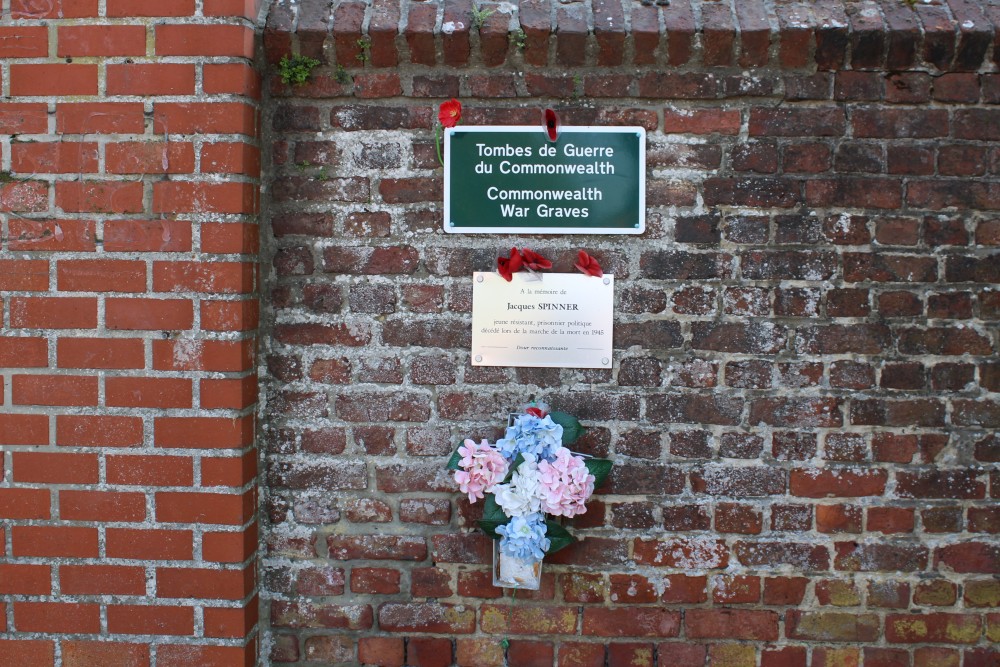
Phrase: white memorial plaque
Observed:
(552, 320)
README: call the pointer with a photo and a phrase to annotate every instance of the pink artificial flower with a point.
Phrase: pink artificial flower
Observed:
(565, 484)
(508, 266)
(482, 468)
(588, 265)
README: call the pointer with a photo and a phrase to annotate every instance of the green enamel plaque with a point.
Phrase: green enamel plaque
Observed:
(513, 180)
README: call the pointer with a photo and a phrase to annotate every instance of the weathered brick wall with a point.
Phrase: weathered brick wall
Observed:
(128, 282)
(803, 404)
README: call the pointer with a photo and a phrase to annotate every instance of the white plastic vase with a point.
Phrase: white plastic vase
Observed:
(512, 572)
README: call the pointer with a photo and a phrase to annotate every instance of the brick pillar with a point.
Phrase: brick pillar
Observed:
(128, 282)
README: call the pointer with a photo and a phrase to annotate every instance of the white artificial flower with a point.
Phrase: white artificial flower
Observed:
(523, 494)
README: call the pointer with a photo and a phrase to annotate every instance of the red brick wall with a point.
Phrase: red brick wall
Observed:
(805, 395)
(128, 281)
(804, 401)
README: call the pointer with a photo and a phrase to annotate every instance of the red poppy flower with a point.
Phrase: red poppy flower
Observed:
(508, 266)
(551, 121)
(534, 261)
(450, 113)
(588, 265)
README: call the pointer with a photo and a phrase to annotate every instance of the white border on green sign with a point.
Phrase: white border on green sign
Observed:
(576, 129)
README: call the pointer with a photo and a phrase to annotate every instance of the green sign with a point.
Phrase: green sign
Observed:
(503, 180)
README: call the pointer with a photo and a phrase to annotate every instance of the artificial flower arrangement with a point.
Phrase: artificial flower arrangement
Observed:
(525, 259)
(526, 480)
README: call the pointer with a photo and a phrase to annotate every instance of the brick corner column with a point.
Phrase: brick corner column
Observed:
(129, 197)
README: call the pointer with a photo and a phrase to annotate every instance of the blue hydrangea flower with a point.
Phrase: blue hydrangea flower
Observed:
(524, 537)
(532, 435)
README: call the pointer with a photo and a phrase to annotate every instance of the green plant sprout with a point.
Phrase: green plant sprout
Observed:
(479, 16)
(519, 38)
(296, 70)
(341, 76)
(364, 43)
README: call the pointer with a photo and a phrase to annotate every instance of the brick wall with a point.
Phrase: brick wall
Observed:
(128, 281)
(804, 401)
(805, 394)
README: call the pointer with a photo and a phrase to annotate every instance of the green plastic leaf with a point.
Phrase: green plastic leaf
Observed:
(492, 511)
(572, 429)
(493, 516)
(559, 537)
(490, 528)
(600, 469)
(518, 460)
(453, 461)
